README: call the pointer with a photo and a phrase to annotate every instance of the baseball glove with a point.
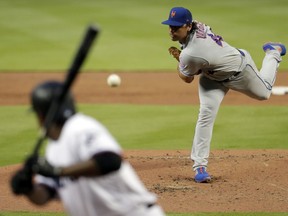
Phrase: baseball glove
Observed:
(175, 52)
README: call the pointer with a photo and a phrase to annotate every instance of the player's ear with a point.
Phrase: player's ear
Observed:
(189, 27)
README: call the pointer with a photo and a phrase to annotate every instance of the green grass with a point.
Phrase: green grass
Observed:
(157, 127)
(44, 35)
(18, 133)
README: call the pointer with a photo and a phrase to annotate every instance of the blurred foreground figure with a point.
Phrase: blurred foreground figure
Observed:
(83, 165)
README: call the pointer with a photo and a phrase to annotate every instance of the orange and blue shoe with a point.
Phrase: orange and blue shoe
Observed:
(275, 46)
(202, 176)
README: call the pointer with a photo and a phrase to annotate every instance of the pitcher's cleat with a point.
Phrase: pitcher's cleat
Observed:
(275, 46)
(202, 176)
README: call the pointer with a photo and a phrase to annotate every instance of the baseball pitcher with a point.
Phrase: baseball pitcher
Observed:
(221, 67)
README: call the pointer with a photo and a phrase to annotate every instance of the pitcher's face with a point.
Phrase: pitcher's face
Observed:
(179, 33)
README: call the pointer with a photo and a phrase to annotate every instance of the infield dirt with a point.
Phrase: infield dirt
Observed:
(244, 181)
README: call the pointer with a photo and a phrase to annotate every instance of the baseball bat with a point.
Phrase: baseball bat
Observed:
(87, 41)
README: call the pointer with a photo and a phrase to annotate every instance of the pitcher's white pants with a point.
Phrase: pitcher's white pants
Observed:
(250, 82)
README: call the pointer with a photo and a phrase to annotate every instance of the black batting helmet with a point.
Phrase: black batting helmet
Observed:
(43, 95)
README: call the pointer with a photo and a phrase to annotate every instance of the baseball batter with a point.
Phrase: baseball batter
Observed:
(83, 165)
(221, 67)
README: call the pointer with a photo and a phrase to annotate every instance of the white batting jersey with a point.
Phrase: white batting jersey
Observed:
(210, 55)
(118, 193)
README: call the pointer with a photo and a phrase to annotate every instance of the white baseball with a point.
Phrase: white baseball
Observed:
(113, 80)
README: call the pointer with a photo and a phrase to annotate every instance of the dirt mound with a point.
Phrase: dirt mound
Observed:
(243, 181)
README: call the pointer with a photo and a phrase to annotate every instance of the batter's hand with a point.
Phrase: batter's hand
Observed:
(21, 182)
(175, 52)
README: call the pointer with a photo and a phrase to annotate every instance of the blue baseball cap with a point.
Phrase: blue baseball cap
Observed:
(178, 16)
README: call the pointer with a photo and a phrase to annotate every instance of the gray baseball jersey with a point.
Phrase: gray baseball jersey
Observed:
(221, 67)
(210, 55)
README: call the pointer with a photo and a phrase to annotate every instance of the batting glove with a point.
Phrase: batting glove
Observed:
(21, 182)
(43, 167)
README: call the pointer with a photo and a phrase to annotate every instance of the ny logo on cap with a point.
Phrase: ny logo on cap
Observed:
(173, 13)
